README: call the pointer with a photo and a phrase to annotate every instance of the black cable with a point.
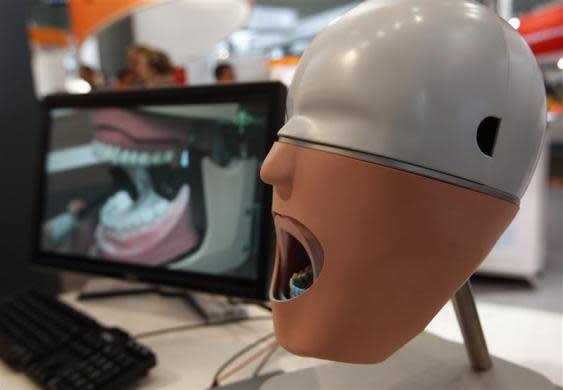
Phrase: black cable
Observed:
(264, 361)
(159, 332)
(173, 329)
(238, 354)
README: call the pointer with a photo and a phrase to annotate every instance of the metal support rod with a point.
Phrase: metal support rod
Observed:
(491, 4)
(464, 304)
(470, 325)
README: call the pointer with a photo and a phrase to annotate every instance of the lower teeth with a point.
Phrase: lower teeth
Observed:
(301, 281)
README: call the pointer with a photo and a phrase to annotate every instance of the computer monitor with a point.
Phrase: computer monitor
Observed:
(161, 185)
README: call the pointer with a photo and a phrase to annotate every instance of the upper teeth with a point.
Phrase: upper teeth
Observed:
(123, 156)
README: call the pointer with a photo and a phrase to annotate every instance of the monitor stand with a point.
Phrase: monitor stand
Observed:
(426, 362)
(212, 308)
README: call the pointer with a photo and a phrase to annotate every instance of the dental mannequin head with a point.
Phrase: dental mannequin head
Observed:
(413, 129)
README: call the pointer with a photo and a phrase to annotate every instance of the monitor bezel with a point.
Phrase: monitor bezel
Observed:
(272, 92)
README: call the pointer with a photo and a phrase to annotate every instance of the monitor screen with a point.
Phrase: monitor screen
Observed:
(161, 186)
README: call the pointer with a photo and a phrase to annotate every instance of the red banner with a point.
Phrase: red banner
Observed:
(543, 30)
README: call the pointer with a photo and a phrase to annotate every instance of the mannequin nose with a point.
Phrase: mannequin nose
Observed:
(277, 170)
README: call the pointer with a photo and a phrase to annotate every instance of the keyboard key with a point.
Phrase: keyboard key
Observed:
(61, 348)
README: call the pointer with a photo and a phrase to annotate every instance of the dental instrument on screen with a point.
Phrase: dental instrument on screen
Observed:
(185, 158)
(58, 228)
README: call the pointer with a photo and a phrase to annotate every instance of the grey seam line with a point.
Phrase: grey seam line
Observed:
(404, 166)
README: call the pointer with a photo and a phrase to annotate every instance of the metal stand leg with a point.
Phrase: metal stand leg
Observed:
(470, 325)
(491, 4)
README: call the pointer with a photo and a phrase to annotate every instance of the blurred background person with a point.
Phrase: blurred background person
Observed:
(124, 79)
(225, 73)
(158, 71)
(88, 74)
(554, 103)
(150, 67)
(137, 58)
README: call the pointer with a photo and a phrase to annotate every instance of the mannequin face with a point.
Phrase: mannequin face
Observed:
(388, 249)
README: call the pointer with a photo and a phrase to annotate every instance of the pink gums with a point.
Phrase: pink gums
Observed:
(157, 243)
(131, 130)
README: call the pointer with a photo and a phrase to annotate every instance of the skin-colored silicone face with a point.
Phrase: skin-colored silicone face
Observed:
(388, 247)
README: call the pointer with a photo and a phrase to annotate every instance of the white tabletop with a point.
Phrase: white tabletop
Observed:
(188, 359)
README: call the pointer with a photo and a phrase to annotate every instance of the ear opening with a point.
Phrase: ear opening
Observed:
(487, 135)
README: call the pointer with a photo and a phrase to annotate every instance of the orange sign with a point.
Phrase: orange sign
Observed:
(48, 36)
(88, 16)
(284, 61)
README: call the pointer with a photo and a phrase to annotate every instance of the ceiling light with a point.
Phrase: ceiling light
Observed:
(514, 22)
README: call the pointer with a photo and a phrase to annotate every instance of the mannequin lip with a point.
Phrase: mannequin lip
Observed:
(298, 248)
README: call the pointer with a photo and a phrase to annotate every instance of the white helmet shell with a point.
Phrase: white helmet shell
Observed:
(444, 85)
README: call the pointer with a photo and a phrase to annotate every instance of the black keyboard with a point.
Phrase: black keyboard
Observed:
(62, 348)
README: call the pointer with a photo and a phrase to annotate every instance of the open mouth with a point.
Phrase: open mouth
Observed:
(149, 207)
(143, 202)
(300, 258)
